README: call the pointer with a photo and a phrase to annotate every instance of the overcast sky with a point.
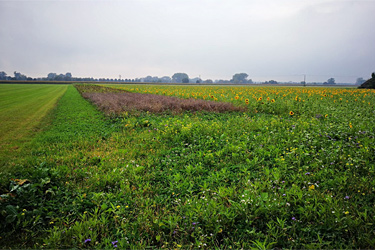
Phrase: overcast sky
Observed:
(214, 39)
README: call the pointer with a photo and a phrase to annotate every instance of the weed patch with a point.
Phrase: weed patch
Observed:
(114, 102)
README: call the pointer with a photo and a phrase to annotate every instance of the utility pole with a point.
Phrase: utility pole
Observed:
(304, 80)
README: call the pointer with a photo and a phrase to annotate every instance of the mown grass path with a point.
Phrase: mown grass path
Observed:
(74, 119)
(22, 108)
(74, 128)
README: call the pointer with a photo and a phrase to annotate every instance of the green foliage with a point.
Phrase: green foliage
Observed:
(369, 84)
(179, 77)
(185, 80)
(239, 78)
(197, 180)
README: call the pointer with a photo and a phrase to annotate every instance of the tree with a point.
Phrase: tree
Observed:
(271, 82)
(330, 81)
(369, 84)
(68, 76)
(147, 79)
(239, 78)
(59, 77)
(166, 79)
(51, 76)
(18, 76)
(177, 77)
(359, 81)
(185, 80)
(195, 80)
(3, 75)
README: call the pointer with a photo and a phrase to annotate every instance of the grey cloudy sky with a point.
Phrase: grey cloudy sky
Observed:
(268, 39)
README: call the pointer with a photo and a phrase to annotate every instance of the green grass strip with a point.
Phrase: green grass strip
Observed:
(22, 109)
(75, 127)
(74, 119)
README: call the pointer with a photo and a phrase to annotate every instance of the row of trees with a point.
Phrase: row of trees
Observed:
(184, 78)
(176, 78)
(239, 78)
(59, 77)
(17, 76)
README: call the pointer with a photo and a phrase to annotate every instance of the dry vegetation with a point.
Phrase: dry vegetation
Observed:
(91, 88)
(119, 102)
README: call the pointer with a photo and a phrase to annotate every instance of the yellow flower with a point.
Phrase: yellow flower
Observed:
(312, 187)
(291, 113)
(118, 206)
(346, 212)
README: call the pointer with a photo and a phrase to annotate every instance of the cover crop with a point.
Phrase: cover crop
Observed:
(295, 169)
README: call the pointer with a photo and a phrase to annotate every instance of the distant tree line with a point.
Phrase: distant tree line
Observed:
(176, 78)
(17, 77)
(271, 82)
(59, 77)
(238, 78)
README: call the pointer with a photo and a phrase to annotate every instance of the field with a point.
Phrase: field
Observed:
(22, 108)
(282, 167)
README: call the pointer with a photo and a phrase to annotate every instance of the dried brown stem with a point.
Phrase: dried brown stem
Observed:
(121, 102)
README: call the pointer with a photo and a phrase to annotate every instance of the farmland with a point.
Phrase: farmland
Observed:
(287, 167)
(22, 108)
